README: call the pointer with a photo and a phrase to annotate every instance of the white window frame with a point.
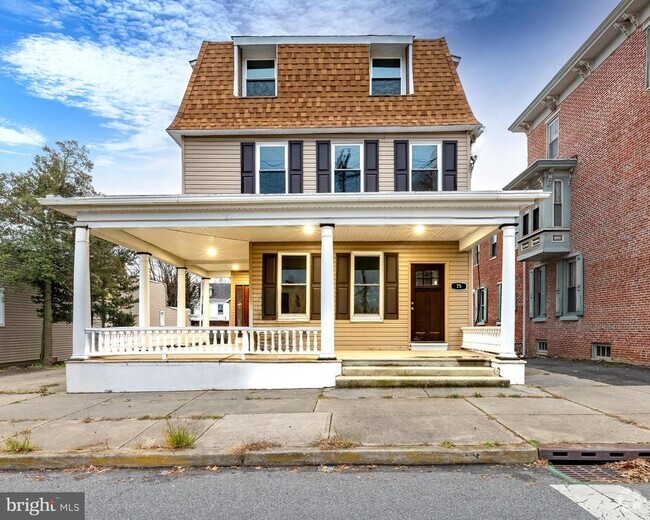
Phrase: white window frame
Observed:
(481, 310)
(548, 137)
(362, 186)
(438, 145)
(560, 190)
(493, 242)
(294, 317)
(2, 307)
(263, 144)
(245, 76)
(595, 347)
(367, 317)
(402, 72)
(540, 351)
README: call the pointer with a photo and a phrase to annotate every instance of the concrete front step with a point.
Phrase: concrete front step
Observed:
(430, 371)
(432, 362)
(419, 381)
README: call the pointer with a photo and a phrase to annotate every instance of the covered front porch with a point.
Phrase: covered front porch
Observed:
(217, 236)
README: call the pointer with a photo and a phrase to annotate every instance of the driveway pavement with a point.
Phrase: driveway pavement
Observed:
(554, 408)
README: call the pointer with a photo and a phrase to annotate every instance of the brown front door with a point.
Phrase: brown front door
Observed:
(241, 305)
(427, 302)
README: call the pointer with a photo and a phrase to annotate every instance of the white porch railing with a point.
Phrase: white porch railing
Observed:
(196, 341)
(484, 339)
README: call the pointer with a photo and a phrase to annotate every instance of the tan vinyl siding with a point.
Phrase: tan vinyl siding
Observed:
(391, 334)
(236, 278)
(212, 164)
(20, 338)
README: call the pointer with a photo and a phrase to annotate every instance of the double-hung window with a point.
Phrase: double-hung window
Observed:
(569, 282)
(272, 168)
(477, 254)
(294, 284)
(538, 292)
(536, 223)
(367, 273)
(553, 139)
(425, 166)
(493, 246)
(260, 78)
(557, 203)
(386, 77)
(347, 168)
(480, 306)
(525, 224)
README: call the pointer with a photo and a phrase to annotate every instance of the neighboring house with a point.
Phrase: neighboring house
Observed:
(160, 314)
(583, 283)
(21, 330)
(219, 306)
(328, 177)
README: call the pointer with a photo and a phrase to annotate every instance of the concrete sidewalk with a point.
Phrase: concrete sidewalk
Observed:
(553, 408)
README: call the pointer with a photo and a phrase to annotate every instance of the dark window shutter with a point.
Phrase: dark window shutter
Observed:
(315, 287)
(531, 293)
(450, 165)
(295, 166)
(559, 288)
(323, 170)
(248, 167)
(343, 286)
(401, 165)
(391, 286)
(580, 306)
(269, 286)
(371, 165)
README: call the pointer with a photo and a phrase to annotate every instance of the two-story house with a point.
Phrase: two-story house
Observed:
(583, 283)
(327, 177)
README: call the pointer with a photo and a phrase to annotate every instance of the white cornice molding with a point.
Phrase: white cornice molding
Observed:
(342, 39)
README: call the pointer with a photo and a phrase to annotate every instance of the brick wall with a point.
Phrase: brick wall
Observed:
(605, 122)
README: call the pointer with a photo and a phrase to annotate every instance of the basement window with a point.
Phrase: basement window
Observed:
(541, 347)
(601, 351)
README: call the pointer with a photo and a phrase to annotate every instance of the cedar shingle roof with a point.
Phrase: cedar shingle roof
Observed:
(323, 85)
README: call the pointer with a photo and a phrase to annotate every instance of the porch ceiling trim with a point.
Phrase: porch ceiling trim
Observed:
(477, 208)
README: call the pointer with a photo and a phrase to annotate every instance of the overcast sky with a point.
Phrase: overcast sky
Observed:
(111, 74)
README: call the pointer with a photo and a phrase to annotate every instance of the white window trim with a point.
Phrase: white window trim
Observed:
(438, 145)
(493, 241)
(367, 317)
(294, 317)
(402, 72)
(245, 76)
(362, 186)
(263, 144)
(548, 136)
(484, 306)
(2, 307)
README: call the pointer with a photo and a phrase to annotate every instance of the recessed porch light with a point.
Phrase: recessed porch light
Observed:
(235, 267)
(211, 251)
(419, 229)
(308, 229)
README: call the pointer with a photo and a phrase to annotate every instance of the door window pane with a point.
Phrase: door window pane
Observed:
(347, 168)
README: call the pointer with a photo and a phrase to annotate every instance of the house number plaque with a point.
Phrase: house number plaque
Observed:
(458, 286)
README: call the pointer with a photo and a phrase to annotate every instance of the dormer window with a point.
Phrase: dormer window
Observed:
(386, 76)
(260, 78)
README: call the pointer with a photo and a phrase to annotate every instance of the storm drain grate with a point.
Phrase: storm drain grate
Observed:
(585, 473)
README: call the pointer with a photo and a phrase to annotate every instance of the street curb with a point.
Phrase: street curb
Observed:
(388, 456)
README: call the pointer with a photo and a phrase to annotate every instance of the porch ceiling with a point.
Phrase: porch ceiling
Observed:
(194, 246)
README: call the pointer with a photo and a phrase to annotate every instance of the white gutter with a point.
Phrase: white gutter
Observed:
(356, 39)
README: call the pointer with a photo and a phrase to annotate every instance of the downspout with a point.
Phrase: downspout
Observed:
(523, 309)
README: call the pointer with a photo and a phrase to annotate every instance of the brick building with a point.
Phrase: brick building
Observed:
(583, 280)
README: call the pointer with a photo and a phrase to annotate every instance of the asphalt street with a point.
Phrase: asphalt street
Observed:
(450, 492)
(617, 374)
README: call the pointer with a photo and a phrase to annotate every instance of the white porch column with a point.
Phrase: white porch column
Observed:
(205, 297)
(180, 296)
(81, 316)
(144, 294)
(327, 291)
(508, 293)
